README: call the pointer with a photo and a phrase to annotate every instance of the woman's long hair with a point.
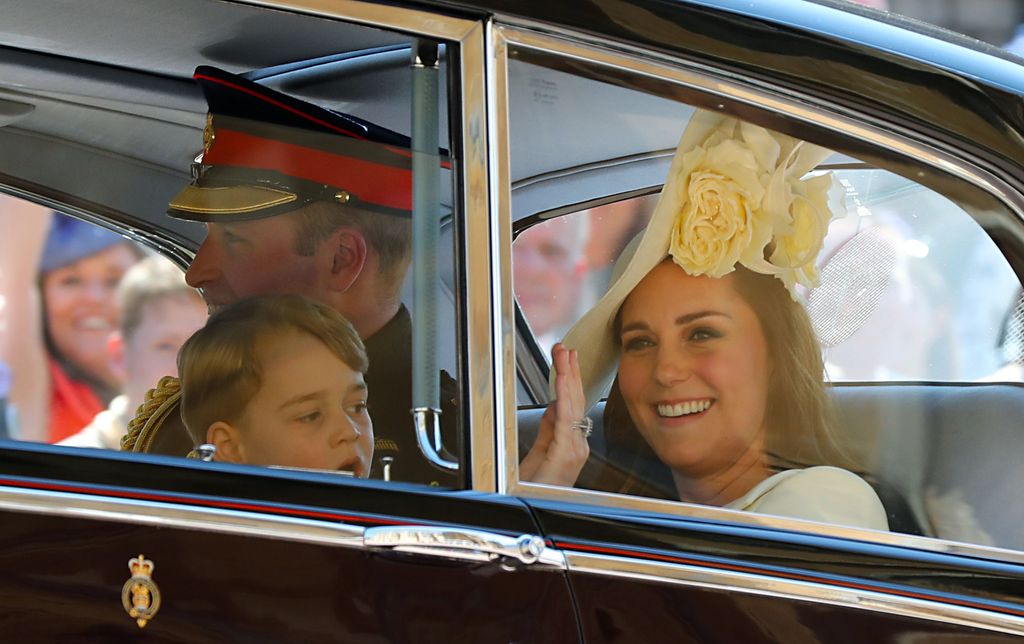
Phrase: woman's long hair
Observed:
(800, 418)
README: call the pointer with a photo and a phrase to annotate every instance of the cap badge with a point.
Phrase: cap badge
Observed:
(208, 134)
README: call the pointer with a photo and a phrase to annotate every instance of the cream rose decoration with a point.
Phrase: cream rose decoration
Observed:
(742, 189)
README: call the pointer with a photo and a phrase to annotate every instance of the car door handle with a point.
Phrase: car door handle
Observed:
(455, 543)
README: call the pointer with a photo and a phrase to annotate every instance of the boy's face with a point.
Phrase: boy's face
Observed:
(310, 410)
(152, 350)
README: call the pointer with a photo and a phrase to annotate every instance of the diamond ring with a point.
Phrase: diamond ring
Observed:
(585, 425)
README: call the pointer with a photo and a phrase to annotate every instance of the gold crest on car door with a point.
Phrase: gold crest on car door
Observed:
(140, 595)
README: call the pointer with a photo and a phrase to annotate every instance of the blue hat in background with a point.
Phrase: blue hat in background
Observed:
(70, 240)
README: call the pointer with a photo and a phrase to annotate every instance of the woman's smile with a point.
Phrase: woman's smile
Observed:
(691, 409)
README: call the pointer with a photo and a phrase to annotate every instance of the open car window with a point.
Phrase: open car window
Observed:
(913, 306)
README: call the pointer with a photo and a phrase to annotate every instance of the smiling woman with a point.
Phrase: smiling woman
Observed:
(719, 372)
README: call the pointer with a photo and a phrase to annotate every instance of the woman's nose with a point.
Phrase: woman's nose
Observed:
(98, 291)
(672, 366)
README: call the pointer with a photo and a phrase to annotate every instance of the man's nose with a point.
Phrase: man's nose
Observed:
(672, 365)
(204, 267)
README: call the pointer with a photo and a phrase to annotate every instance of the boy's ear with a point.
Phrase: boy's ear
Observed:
(348, 257)
(227, 439)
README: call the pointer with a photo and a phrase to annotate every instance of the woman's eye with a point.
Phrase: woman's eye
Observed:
(311, 417)
(70, 280)
(702, 334)
(638, 343)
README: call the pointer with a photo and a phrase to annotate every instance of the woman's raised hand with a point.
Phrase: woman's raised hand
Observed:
(561, 449)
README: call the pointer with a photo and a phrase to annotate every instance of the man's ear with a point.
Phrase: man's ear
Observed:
(115, 355)
(348, 257)
(228, 440)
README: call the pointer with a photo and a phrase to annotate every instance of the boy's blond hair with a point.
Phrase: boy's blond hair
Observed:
(151, 280)
(219, 368)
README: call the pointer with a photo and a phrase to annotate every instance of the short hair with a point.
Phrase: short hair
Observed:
(154, 278)
(219, 365)
(799, 418)
(390, 235)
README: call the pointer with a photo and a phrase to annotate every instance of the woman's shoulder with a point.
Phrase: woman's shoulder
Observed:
(821, 493)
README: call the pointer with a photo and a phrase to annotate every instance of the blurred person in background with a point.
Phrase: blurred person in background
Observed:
(57, 310)
(79, 272)
(549, 266)
(159, 311)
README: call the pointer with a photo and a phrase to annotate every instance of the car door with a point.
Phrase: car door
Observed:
(645, 567)
(243, 556)
(106, 546)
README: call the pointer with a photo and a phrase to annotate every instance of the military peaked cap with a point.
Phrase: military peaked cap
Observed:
(266, 153)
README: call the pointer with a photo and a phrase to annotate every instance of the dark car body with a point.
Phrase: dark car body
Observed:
(274, 555)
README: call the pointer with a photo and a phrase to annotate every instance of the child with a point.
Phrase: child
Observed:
(278, 380)
(159, 311)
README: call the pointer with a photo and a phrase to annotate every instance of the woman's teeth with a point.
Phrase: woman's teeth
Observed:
(94, 323)
(684, 409)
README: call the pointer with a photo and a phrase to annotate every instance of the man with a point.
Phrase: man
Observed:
(159, 311)
(300, 199)
(549, 267)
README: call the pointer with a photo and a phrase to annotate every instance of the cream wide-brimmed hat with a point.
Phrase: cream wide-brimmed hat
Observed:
(733, 188)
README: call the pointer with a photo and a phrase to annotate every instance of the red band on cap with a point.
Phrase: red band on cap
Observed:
(378, 184)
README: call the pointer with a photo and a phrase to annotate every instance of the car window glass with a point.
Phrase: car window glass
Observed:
(90, 321)
(915, 313)
(297, 180)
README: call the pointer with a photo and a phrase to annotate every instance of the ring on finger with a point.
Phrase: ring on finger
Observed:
(585, 425)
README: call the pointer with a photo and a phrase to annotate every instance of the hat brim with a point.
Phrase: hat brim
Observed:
(230, 203)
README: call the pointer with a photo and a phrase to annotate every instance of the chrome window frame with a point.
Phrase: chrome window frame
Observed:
(478, 310)
(705, 79)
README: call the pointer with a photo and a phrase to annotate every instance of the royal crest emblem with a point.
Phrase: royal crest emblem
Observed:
(140, 595)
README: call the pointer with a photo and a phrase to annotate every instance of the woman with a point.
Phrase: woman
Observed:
(79, 271)
(719, 374)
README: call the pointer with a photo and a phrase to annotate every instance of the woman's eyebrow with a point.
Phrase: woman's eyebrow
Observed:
(690, 317)
(680, 321)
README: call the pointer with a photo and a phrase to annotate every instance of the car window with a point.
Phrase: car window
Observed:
(898, 299)
(911, 312)
(91, 320)
(336, 335)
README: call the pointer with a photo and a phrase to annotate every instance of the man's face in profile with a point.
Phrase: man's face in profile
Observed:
(256, 257)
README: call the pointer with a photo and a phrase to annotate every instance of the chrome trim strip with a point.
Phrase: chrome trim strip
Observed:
(479, 267)
(414, 21)
(695, 576)
(693, 511)
(501, 250)
(810, 110)
(171, 515)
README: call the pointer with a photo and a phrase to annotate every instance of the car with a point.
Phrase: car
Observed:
(547, 113)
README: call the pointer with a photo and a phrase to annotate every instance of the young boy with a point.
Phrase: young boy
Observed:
(159, 311)
(278, 380)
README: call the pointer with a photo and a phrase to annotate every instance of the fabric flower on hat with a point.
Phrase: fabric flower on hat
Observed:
(741, 191)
